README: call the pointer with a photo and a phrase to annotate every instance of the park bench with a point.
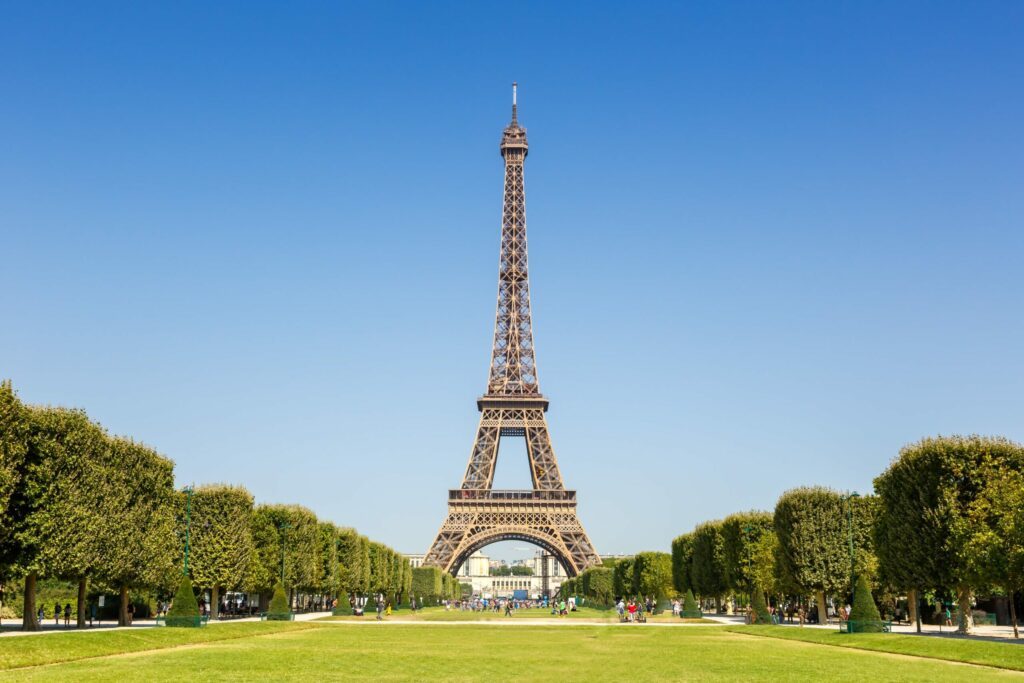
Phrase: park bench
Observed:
(184, 621)
(854, 626)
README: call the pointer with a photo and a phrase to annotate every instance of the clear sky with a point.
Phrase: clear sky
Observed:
(770, 243)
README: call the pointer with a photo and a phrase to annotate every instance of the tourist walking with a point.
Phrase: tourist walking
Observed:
(67, 614)
(56, 614)
(620, 607)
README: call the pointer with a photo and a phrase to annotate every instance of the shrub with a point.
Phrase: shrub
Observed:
(184, 612)
(279, 609)
(865, 612)
(759, 613)
(691, 610)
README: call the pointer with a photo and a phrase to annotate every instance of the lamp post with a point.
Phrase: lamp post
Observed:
(849, 525)
(188, 524)
(283, 527)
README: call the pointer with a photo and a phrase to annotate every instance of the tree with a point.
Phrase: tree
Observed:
(811, 525)
(652, 574)
(598, 584)
(14, 432)
(221, 538)
(623, 577)
(682, 559)
(54, 527)
(353, 561)
(743, 547)
(141, 547)
(427, 583)
(707, 568)
(991, 531)
(930, 519)
(690, 606)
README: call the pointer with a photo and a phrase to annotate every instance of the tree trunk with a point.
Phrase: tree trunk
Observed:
(718, 604)
(822, 607)
(214, 601)
(914, 608)
(1013, 614)
(965, 624)
(122, 609)
(29, 622)
(80, 621)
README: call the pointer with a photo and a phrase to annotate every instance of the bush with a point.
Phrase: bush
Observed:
(691, 610)
(759, 613)
(279, 609)
(864, 611)
(184, 612)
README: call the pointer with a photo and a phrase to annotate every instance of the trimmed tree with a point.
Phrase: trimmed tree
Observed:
(758, 607)
(682, 558)
(599, 585)
(707, 568)
(141, 547)
(14, 435)
(930, 493)
(813, 549)
(743, 545)
(652, 574)
(691, 610)
(184, 611)
(623, 577)
(279, 609)
(864, 611)
(221, 543)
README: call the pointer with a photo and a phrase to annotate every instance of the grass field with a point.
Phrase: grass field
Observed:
(410, 651)
(581, 615)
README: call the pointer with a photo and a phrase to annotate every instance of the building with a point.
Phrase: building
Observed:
(546, 578)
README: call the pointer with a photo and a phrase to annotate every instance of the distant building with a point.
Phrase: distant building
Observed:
(547, 575)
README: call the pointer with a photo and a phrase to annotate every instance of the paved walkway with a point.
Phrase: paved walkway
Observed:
(1001, 633)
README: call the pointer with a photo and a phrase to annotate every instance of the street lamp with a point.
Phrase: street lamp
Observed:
(849, 523)
(188, 523)
(283, 526)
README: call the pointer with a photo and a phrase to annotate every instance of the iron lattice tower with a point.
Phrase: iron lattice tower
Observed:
(513, 406)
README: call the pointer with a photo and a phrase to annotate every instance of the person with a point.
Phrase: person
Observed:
(508, 608)
(631, 608)
(92, 613)
(67, 614)
(620, 607)
(131, 613)
(387, 610)
(56, 613)
(380, 609)
(41, 615)
(949, 617)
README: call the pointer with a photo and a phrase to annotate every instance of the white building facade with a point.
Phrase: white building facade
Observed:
(547, 576)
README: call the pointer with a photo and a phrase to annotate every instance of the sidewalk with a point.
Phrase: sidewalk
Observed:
(12, 627)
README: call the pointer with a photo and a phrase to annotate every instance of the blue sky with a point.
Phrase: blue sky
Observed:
(770, 242)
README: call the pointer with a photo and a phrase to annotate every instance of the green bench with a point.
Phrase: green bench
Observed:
(853, 626)
(277, 616)
(183, 622)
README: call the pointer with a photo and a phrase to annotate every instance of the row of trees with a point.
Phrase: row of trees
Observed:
(644, 574)
(433, 585)
(946, 519)
(79, 505)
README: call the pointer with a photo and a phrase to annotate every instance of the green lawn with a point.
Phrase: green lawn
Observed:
(418, 652)
(19, 651)
(581, 615)
(1007, 655)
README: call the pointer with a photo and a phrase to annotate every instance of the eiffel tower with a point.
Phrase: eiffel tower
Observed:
(513, 406)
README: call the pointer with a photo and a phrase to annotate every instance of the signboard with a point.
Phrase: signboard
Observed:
(102, 600)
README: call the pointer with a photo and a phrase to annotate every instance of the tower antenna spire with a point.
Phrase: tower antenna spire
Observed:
(513, 101)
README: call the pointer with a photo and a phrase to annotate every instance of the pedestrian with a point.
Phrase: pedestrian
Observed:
(67, 614)
(380, 609)
(949, 617)
(41, 616)
(131, 613)
(92, 613)
(631, 609)
(56, 613)
(620, 607)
